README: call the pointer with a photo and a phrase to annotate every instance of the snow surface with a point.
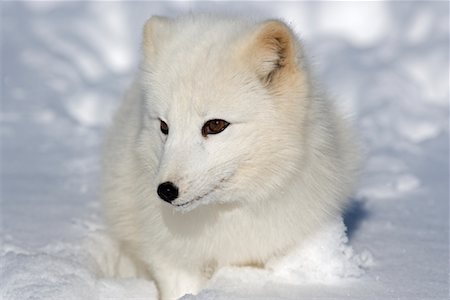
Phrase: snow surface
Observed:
(64, 68)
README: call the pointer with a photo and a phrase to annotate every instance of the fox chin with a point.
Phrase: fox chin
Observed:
(223, 151)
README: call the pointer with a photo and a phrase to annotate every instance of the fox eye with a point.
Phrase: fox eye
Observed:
(214, 127)
(164, 128)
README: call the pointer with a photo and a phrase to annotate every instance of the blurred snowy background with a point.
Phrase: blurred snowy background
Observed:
(65, 65)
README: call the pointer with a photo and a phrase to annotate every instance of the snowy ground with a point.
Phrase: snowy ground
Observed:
(64, 67)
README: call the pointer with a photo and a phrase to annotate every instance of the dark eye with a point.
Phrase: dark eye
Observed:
(164, 128)
(214, 127)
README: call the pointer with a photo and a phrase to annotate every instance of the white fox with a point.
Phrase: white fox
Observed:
(223, 152)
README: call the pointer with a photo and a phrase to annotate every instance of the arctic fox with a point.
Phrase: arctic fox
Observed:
(223, 152)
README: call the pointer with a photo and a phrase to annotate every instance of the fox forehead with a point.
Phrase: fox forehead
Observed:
(213, 87)
(199, 68)
(194, 102)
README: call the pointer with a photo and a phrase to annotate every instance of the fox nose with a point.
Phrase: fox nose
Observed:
(167, 191)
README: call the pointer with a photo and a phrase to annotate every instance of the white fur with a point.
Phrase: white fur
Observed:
(281, 169)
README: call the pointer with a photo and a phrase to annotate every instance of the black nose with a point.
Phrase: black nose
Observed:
(167, 191)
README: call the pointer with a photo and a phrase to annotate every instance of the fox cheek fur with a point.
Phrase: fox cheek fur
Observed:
(182, 198)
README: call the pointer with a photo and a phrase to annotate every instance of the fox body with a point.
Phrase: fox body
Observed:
(223, 152)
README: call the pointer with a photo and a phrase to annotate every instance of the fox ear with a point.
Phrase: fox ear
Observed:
(272, 51)
(155, 31)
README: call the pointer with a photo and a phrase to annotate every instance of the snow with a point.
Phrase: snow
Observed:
(64, 68)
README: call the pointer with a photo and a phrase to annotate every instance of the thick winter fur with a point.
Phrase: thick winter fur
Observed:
(278, 172)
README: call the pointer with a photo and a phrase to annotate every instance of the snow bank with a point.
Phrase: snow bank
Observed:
(325, 258)
(70, 271)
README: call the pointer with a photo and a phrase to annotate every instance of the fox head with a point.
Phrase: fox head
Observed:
(224, 111)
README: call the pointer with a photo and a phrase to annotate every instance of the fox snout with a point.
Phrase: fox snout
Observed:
(167, 191)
